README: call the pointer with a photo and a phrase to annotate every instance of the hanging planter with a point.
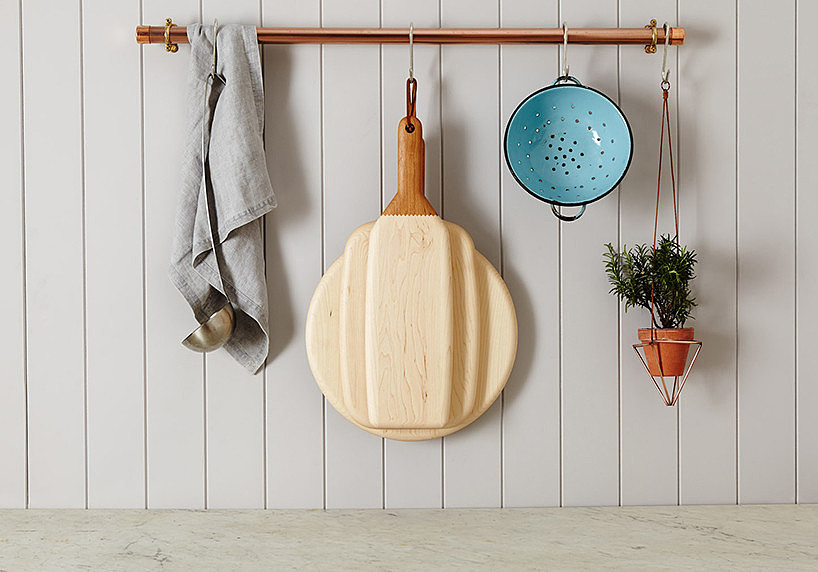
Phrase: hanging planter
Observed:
(658, 279)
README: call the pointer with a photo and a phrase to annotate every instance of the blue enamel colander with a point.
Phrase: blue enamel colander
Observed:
(568, 144)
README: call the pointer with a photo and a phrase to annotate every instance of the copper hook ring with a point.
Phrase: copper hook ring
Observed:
(169, 47)
(411, 101)
(651, 48)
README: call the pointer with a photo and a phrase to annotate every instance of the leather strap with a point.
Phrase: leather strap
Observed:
(665, 126)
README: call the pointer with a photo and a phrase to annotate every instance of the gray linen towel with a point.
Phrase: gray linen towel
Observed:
(240, 186)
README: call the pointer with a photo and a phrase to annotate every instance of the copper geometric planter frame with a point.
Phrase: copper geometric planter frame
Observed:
(669, 397)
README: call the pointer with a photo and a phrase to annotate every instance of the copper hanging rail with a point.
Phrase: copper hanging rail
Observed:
(648, 36)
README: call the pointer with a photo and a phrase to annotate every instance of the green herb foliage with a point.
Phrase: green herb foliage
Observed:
(669, 269)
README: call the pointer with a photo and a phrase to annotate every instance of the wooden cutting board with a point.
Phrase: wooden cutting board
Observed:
(411, 333)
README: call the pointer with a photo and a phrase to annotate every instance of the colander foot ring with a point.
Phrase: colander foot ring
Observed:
(567, 218)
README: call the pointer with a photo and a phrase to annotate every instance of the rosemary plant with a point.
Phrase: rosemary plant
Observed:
(669, 269)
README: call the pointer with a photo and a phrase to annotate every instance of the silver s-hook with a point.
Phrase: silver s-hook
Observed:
(665, 69)
(411, 50)
(565, 68)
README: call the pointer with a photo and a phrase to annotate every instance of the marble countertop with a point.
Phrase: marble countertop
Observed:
(783, 537)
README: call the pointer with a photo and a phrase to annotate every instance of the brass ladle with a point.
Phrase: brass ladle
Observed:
(219, 327)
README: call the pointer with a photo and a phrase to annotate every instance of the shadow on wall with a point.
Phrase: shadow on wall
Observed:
(293, 200)
(715, 368)
(526, 334)
(463, 209)
(465, 203)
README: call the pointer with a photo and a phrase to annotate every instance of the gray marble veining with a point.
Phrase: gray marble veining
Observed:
(781, 537)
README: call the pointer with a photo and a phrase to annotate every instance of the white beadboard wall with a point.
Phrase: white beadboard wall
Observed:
(100, 405)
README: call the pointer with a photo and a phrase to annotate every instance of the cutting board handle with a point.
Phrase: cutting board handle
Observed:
(410, 198)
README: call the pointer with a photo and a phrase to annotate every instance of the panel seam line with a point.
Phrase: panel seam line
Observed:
(83, 220)
(26, 446)
(144, 264)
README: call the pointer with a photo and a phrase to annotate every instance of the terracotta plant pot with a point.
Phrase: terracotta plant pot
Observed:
(666, 358)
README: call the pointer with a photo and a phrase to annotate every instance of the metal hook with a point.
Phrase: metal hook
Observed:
(565, 67)
(665, 69)
(411, 50)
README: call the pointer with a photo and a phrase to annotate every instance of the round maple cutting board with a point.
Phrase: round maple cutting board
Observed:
(411, 333)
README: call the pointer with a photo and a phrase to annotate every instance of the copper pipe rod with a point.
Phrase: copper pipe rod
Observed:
(631, 36)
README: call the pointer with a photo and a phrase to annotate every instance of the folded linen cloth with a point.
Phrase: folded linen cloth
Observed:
(241, 190)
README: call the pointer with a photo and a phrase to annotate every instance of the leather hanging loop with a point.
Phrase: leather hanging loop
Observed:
(411, 103)
(665, 127)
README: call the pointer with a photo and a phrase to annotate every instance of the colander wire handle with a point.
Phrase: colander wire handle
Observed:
(567, 218)
(565, 78)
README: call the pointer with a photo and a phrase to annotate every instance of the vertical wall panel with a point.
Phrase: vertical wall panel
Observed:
(705, 98)
(413, 470)
(114, 270)
(648, 427)
(807, 238)
(175, 391)
(54, 253)
(12, 378)
(766, 254)
(590, 360)
(234, 397)
(292, 83)
(352, 188)
(471, 198)
(531, 413)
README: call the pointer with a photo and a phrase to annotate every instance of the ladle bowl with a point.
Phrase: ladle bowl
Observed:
(214, 332)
